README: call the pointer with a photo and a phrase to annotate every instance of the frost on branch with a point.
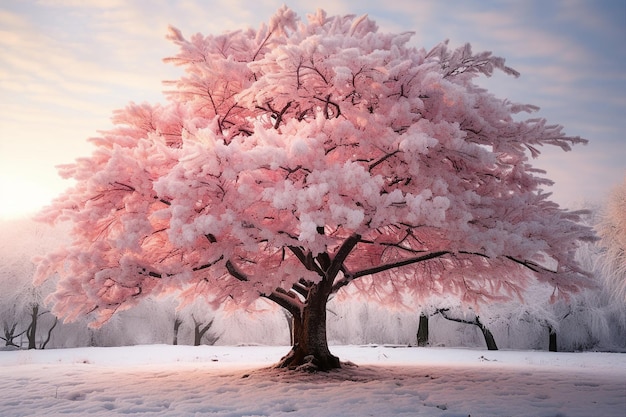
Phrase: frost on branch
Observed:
(294, 159)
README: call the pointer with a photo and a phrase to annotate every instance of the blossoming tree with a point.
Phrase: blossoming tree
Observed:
(296, 159)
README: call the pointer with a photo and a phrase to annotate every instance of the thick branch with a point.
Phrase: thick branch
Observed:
(306, 259)
(286, 300)
(301, 287)
(348, 276)
(336, 263)
(235, 272)
(404, 262)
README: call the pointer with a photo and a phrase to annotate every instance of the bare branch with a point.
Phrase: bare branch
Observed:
(381, 160)
(533, 266)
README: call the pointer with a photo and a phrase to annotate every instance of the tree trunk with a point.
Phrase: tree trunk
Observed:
(45, 342)
(310, 348)
(552, 347)
(198, 331)
(10, 335)
(31, 333)
(177, 323)
(422, 331)
(489, 339)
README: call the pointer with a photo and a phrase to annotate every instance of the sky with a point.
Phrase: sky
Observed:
(66, 65)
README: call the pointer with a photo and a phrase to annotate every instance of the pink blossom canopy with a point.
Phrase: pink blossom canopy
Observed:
(286, 148)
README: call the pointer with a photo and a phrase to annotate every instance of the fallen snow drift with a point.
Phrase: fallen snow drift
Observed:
(159, 380)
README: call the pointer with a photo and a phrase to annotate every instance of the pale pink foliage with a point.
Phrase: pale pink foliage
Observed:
(612, 231)
(282, 144)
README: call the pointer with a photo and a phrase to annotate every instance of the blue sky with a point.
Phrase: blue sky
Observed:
(65, 65)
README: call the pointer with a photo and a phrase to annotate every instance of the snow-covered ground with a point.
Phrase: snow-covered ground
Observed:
(159, 380)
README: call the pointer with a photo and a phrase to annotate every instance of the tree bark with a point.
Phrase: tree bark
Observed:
(45, 343)
(422, 331)
(552, 346)
(199, 331)
(10, 335)
(31, 333)
(489, 339)
(307, 301)
(310, 350)
(177, 323)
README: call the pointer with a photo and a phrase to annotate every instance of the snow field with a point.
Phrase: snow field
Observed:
(160, 380)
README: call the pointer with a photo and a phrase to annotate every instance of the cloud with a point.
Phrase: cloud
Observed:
(45, 68)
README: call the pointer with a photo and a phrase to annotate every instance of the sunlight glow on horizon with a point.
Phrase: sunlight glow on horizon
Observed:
(22, 197)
